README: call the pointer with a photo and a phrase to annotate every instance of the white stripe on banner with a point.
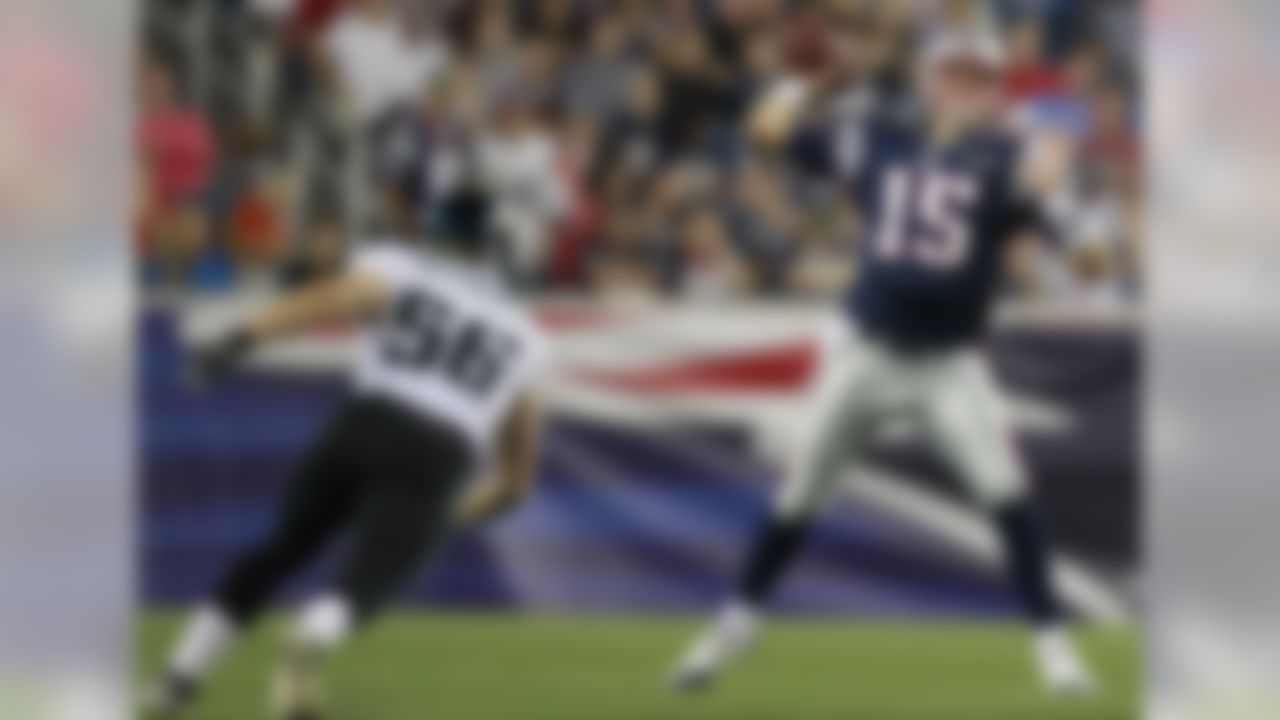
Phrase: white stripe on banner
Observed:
(956, 525)
(961, 528)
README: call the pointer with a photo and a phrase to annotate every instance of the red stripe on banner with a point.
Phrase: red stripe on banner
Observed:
(564, 318)
(782, 369)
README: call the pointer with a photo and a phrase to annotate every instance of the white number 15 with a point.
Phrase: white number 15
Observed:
(941, 202)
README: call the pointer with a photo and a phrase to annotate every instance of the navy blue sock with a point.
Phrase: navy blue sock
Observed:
(775, 546)
(1026, 549)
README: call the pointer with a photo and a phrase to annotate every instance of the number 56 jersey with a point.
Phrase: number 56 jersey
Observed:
(453, 345)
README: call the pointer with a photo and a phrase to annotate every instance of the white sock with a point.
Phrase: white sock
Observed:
(740, 613)
(324, 624)
(1053, 637)
(207, 636)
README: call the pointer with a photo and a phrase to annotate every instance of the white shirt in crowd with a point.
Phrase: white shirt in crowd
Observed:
(531, 193)
(379, 63)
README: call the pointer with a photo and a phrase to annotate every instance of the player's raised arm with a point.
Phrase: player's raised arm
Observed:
(774, 118)
(827, 57)
(349, 295)
(515, 468)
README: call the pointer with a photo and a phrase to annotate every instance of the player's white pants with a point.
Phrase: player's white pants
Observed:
(951, 397)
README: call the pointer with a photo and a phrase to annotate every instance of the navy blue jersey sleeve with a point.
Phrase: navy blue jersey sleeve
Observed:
(830, 151)
(810, 151)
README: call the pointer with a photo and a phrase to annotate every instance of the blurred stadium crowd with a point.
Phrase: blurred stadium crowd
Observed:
(272, 133)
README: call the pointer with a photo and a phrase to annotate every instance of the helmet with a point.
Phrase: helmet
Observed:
(462, 220)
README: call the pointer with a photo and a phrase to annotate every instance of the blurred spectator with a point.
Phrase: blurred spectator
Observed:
(1066, 108)
(956, 16)
(417, 149)
(321, 252)
(539, 77)
(177, 154)
(561, 22)
(272, 9)
(733, 26)
(495, 55)
(711, 267)
(627, 260)
(584, 219)
(822, 256)
(521, 161)
(380, 58)
(1090, 278)
(311, 18)
(762, 65)
(760, 218)
(596, 81)
(299, 27)
(1031, 75)
(631, 139)
(610, 133)
(258, 229)
(696, 92)
(1112, 141)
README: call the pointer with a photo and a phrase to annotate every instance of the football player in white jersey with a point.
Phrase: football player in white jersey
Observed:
(442, 389)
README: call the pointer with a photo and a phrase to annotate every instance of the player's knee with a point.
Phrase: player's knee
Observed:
(794, 503)
(1000, 489)
(808, 486)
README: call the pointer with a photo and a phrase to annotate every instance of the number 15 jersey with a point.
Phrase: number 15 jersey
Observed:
(453, 344)
(936, 224)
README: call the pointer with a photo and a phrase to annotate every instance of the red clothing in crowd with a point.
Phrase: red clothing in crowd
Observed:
(177, 147)
(1120, 147)
(257, 230)
(576, 233)
(311, 17)
(1031, 81)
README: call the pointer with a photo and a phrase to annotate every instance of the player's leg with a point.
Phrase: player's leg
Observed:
(397, 530)
(839, 426)
(410, 481)
(966, 417)
(315, 506)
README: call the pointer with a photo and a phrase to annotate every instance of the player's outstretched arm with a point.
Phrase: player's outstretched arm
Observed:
(346, 296)
(514, 475)
(823, 58)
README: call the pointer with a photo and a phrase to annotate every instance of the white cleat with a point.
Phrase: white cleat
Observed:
(1062, 670)
(730, 636)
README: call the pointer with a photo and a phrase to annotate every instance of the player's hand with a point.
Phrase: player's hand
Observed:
(215, 361)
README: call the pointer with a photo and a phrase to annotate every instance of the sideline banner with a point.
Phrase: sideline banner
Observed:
(668, 421)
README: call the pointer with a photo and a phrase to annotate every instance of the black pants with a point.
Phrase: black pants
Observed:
(387, 476)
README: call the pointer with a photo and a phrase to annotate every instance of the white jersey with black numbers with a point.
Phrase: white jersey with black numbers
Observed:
(453, 345)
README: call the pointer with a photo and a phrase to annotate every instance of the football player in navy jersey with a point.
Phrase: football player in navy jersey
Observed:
(941, 197)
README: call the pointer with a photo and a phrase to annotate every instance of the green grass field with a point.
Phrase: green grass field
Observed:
(503, 667)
